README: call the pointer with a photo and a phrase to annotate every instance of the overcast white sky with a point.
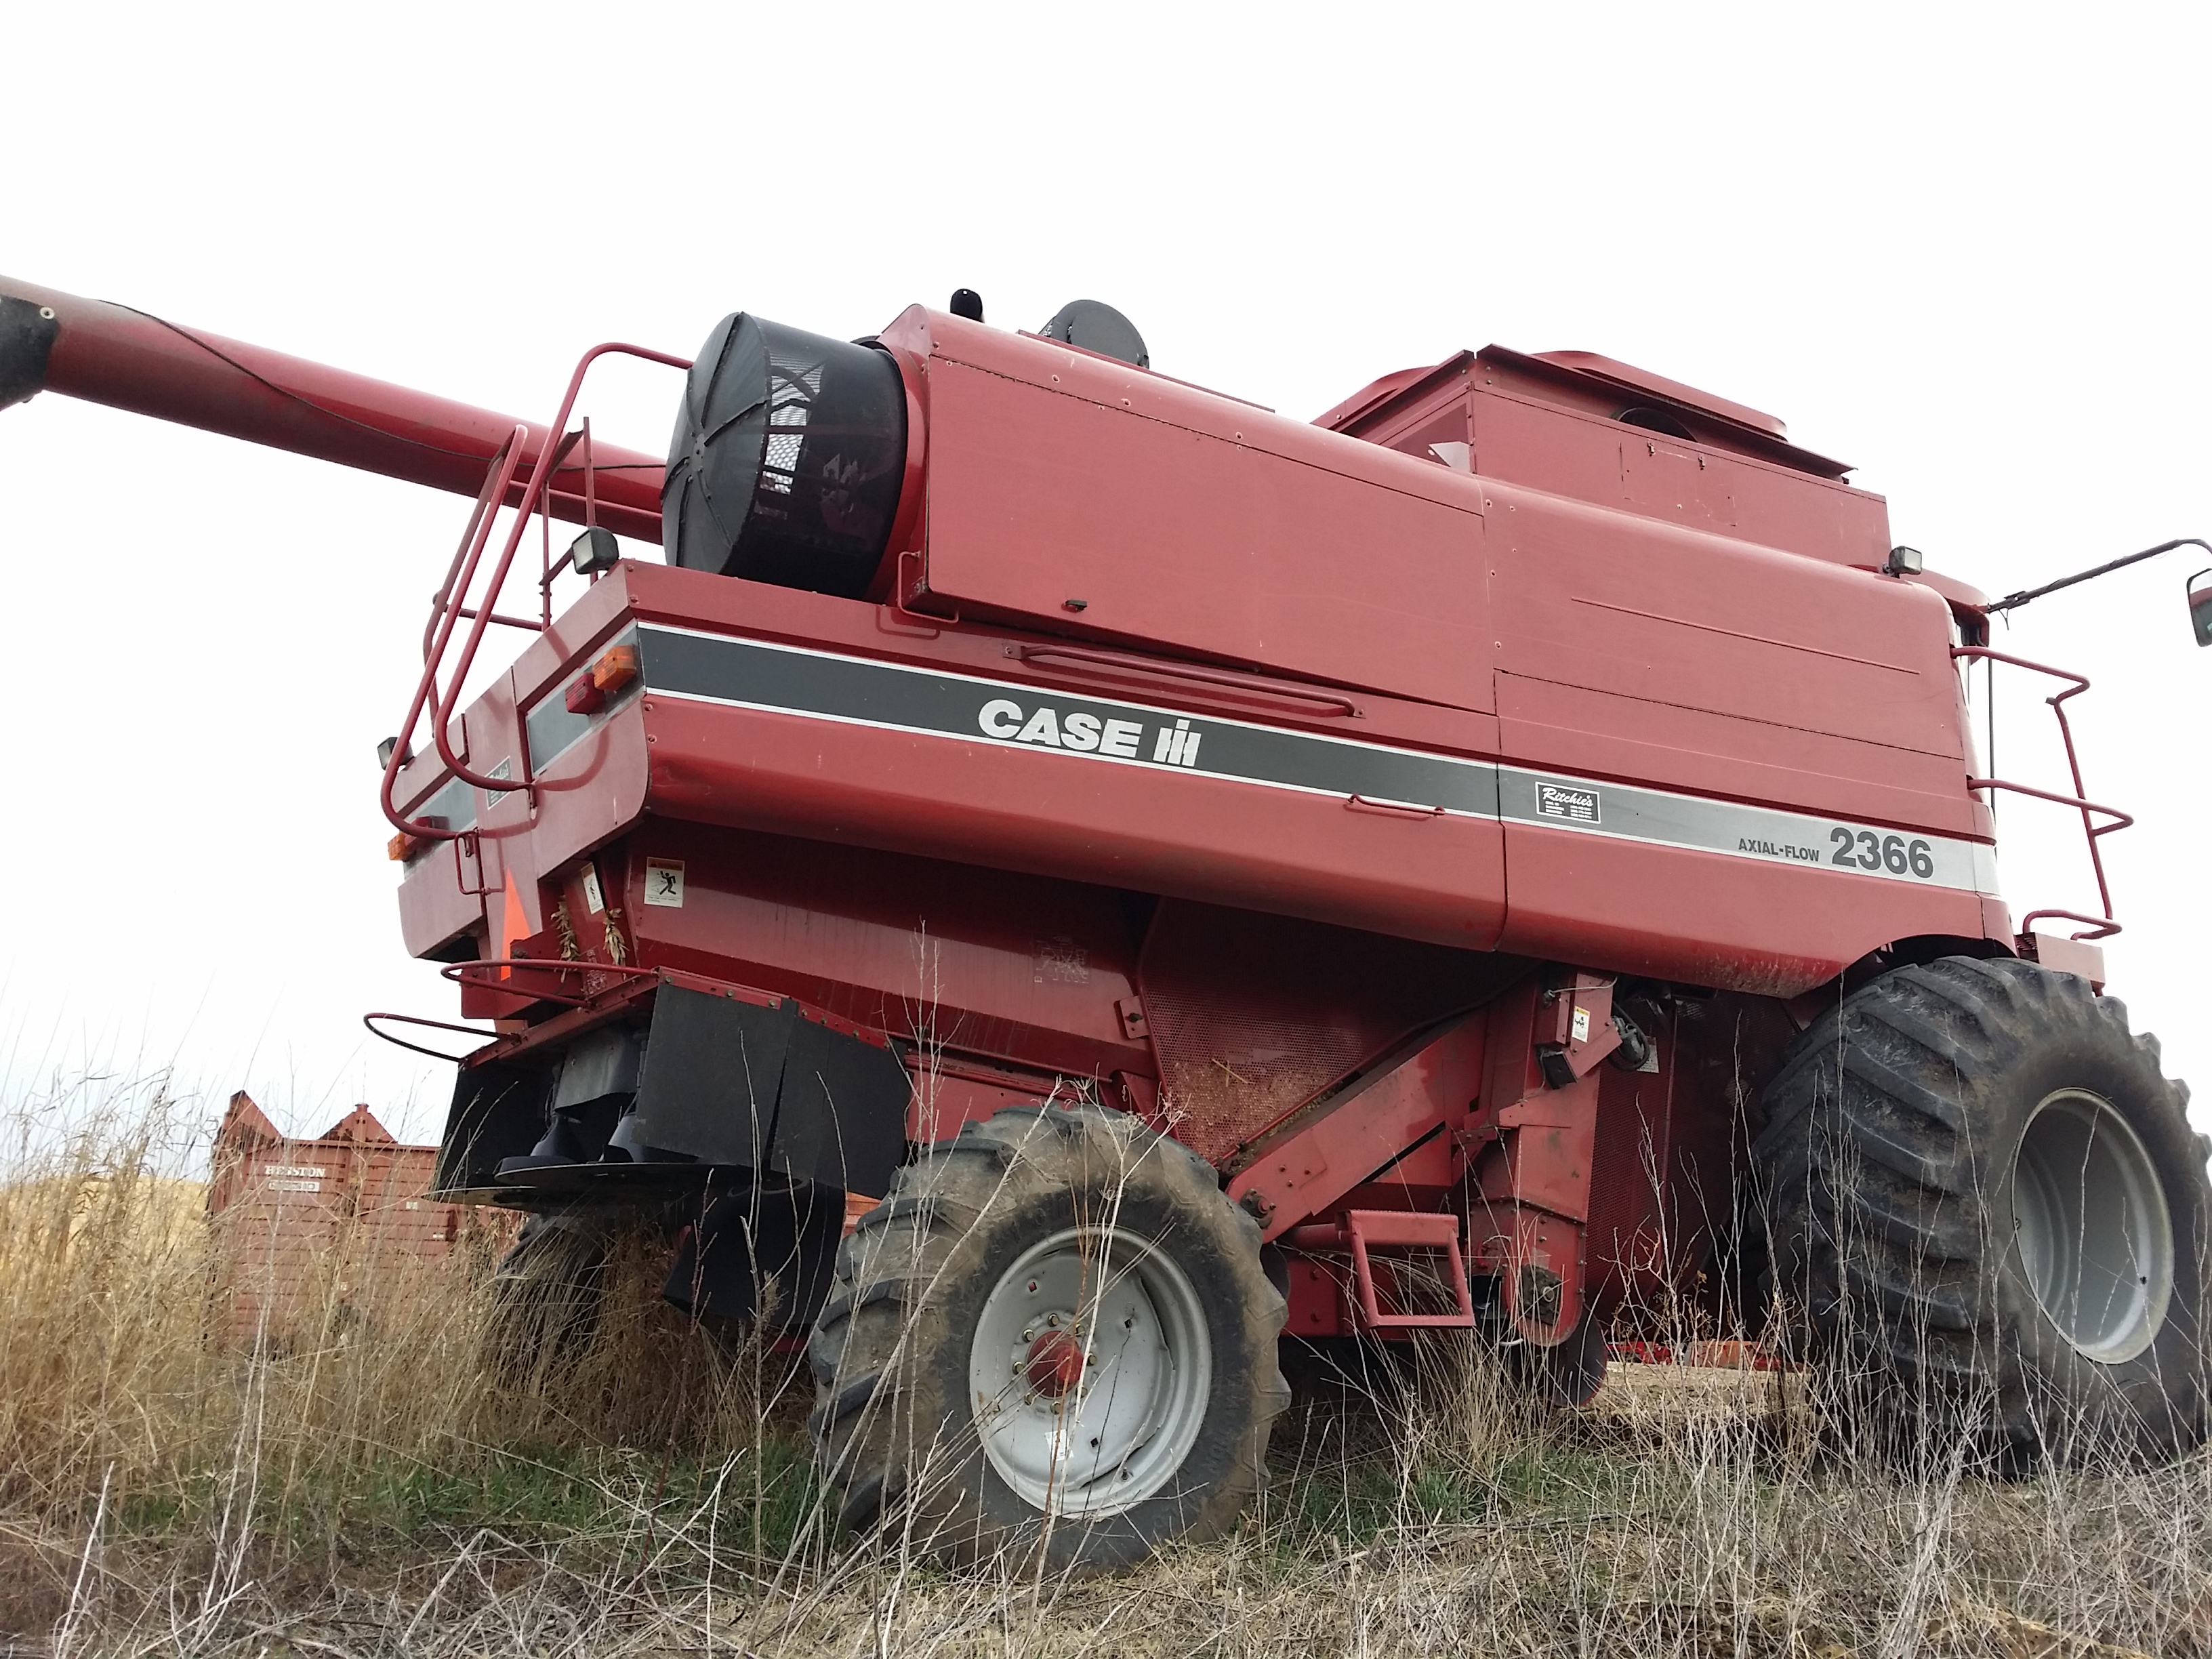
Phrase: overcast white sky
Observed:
(1960, 246)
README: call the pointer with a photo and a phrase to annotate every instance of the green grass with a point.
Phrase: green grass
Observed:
(379, 1508)
(1356, 1505)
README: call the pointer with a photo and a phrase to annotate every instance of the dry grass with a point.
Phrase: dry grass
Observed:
(365, 1485)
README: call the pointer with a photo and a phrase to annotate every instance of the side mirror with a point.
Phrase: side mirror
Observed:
(2200, 606)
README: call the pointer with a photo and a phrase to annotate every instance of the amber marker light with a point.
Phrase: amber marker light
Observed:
(616, 668)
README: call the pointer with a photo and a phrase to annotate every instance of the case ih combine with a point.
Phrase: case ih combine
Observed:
(1504, 854)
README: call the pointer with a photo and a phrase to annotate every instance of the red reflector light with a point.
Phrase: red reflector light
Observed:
(401, 847)
(614, 667)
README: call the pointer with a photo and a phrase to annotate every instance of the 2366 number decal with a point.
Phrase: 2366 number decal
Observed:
(1863, 850)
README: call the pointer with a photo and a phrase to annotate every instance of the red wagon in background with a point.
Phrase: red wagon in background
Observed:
(302, 1226)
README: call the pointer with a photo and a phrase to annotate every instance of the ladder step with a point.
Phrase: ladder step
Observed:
(1401, 1230)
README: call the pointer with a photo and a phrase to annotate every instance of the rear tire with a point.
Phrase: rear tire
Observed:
(545, 1298)
(1055, 1335)
(1989, 1215)
(1569, 1374)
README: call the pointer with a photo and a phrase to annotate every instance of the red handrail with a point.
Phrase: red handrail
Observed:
(449, 606)
(369, 1020)
(549, 461)
(2102, 926)
(439, 634)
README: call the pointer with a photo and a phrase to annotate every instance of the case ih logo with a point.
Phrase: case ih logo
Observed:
(1086, 732)
(1555, 800)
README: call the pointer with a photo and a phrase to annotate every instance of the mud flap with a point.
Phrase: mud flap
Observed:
(763, 1087)
(772, 1245)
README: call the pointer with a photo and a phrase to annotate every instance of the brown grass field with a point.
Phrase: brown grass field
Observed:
(365, 1484)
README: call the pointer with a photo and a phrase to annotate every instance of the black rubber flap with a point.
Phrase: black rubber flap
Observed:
(711, 1068)
(840, 1119)
(787, 459)
(498, 1112)
(734, 1082)
(749, 1240)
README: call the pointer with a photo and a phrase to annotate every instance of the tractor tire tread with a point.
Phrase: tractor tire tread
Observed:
(1870, 1177)
(866, 1340)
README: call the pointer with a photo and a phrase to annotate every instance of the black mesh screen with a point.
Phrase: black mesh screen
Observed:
(787, 459)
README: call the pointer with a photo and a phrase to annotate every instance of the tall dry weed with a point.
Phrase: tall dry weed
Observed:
(130, 1401)
(373, 1480)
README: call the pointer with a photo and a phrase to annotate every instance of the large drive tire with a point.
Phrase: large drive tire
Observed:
(1989, 1216)
(1055, 1334)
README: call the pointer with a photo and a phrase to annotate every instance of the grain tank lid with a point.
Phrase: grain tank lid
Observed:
(1727, 424)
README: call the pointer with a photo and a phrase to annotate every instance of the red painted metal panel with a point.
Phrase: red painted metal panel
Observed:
(1672, 1156)
(692, 599)
(1593, 458)
(978, 960)
(1320, 1298)
(1706, 919)
(1600, 734)
(1641, 380)
(1549, 1147)
(1252, 1015)
(1673, 616)
(1218, 545)
(1632, 1222)
(1437, 879)
(1311, 1167)
(1549, 424)
(593, 788)
(433, 905)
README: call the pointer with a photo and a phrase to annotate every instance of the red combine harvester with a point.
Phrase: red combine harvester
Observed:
(1503, 854)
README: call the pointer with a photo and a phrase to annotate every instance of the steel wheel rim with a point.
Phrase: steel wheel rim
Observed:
(1117, 1433)
(2090, 1222)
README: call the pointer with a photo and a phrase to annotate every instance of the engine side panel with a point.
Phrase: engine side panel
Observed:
(1050, 497)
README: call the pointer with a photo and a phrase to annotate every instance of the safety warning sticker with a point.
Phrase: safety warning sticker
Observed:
(664, 882)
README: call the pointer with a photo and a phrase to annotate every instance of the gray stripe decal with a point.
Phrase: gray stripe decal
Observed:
(451, 806)
(718, 668)
(550, 729)
(1556, 801)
